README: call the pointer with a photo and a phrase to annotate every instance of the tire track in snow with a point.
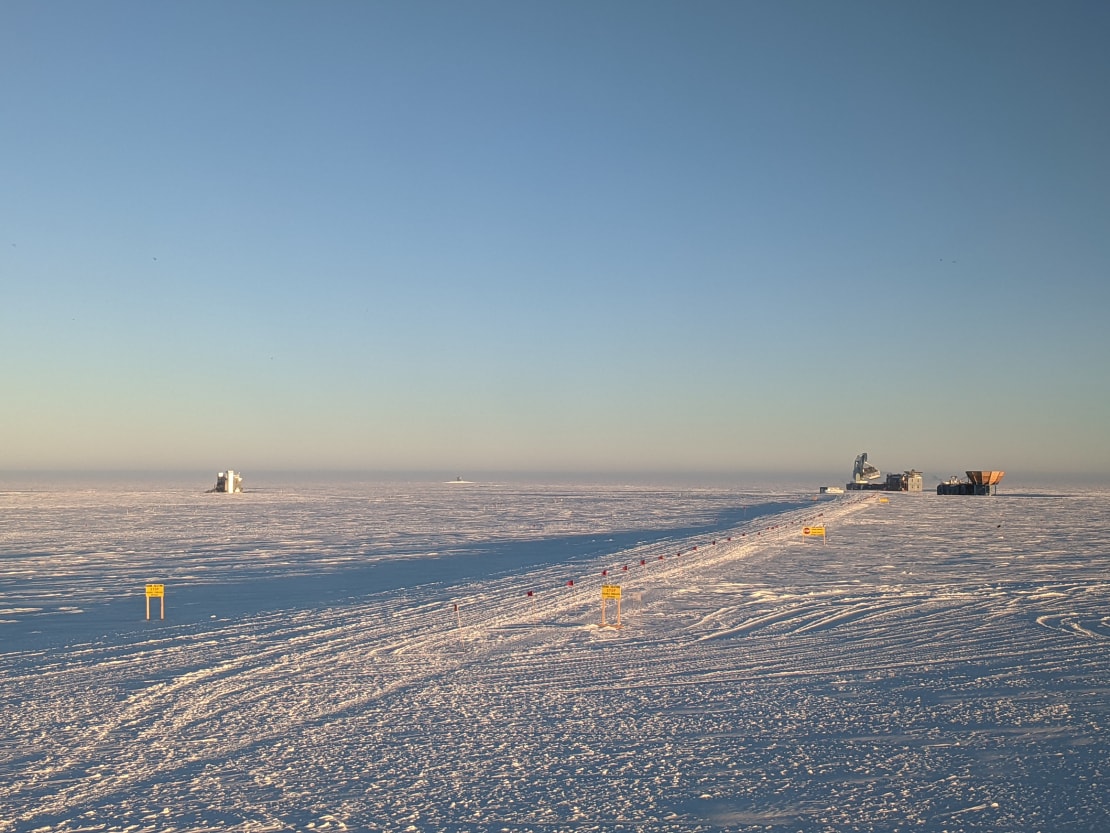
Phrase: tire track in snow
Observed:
(256, 682)
(867, 697)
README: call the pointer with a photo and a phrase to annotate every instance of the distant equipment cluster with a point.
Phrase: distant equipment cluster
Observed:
(229, 482)
(867, 477)
(977, 483)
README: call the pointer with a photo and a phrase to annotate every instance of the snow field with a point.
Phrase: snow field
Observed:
(937, 664)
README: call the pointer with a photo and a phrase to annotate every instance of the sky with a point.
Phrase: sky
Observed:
(574, 236)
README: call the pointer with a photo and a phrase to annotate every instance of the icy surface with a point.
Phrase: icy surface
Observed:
(367, 657)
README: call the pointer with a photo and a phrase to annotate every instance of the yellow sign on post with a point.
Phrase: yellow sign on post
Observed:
(156, 591)
(610, 591)
(814, 532)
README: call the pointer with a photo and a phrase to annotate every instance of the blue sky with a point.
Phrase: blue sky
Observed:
(582, 236)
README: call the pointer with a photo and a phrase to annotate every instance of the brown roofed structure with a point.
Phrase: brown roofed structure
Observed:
(977, 483)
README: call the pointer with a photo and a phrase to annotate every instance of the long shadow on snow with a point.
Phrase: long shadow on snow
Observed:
(257, 592)
(458, 565)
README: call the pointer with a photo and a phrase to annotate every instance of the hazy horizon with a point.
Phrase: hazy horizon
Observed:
(259, 479)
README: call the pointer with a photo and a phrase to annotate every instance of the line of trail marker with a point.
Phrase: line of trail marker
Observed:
(458, 616)
(156, 591)
(611, 591)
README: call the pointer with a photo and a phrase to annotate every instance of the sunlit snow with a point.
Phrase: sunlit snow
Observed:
(366, 656)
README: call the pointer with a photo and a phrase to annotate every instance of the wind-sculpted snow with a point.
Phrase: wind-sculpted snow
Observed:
(937, 663)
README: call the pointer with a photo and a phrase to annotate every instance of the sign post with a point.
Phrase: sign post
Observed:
(814, 532)
(156, 591)
(610, 591)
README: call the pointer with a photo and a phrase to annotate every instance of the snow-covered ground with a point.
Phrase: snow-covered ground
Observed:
(366, 656)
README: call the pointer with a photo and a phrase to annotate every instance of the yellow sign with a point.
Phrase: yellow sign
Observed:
(611, 591)
(814, 530)
(156, 591)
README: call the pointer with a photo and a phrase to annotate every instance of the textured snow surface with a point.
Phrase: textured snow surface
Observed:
(937, 664)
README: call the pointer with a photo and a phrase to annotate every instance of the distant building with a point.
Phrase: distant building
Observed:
(866, 478)
(907, 481)
(228, 482)
(977, 483)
